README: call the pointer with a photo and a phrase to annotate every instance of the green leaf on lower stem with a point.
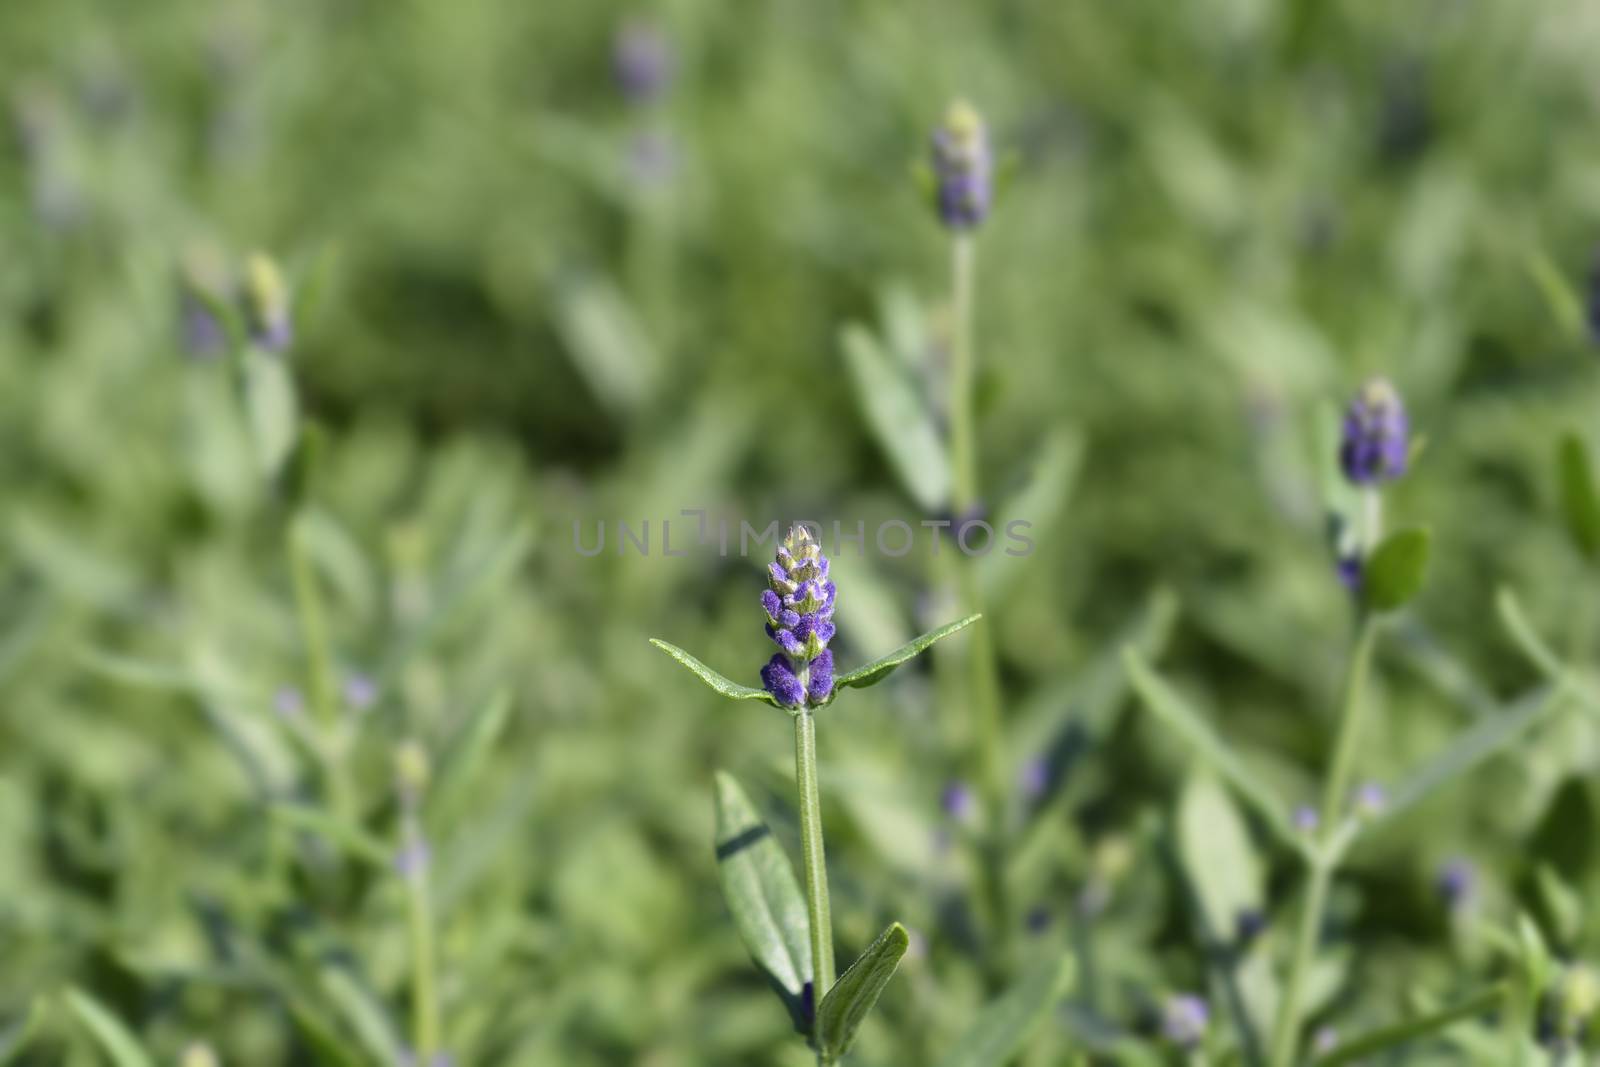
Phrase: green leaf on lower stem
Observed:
(1397, 568)
(269, 398)
(108, 1031)
(1411, 1029)
(763, 895)
(879, 669)
(1580, 495)
(853, 996)
(1217, 856)
(726, 686)
(1006, 1023)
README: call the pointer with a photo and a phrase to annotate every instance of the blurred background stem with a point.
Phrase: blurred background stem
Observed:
(984, 676)
(419, 915)
(319, 670)
(1324, 864)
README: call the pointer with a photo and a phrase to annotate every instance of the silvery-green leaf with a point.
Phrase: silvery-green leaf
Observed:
(726, 686)
(119, 1044)
(1580, 495)
(763, 895)
(1397, 568)
(273, 411)
(606, 343)
(1006, 1023)
(1217, 857)
(851, 999)
(878, 669)
(1562, 904)
(1039, 503)
(326, 1045)
(1175, 713)
(900, 418)
(365, 1013)
(1401, 1033)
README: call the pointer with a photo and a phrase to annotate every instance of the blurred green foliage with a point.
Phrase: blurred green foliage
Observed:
(538, 304)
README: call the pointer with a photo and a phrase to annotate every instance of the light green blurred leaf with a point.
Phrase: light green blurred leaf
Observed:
(14, 1038)
(878, 669)
(851, 999)
(1040, 503)
(725, 686)
(119, 1044)
(1388, 1037)
(1397, 569)
(1218, 857)
(1006, 1024)
(763, 894)
(606, 343)
(271, 408)
(1580, 495)
(449, 794)
(1562, 301)
(1174, 712)
(899, 417)
(353, 839)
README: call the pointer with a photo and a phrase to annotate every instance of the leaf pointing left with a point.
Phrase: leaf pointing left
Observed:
(726, 686)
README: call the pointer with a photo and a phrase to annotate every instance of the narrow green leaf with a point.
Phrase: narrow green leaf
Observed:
(109, 1032)
(878, 669)
(1580, 496)
(353, 839)
(1562, 301)
(269, 398)
(1164, 702)
(1492, 735)
(1398, 568)
(852, 997)
(467, 750)
(1563, 906)
(325, 1045)
(1035, 508)
(1217, 857)
(606, 343)
(763, 895)
(1007, 1022)
(727, 687)
(1540, 654)
(1401, 1033)
(899, 416)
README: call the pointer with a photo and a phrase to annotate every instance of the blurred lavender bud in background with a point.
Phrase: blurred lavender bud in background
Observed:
(1456, 881)
(202, 283)
(288, 702)
(1305, 819)
(266, 304)
(652, 158)
(1593, 303)
(360, 692)
(1350, 570)
(959, 802)
(1370, 799)
(1376, 442)
(962, 168)
(641, 61)
(1325, 1040)
(1033, 780)
(1184, 1018)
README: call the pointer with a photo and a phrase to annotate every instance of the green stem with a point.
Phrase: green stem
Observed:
(1286, 1030)
(419, 915)
(816, 865)
(319, 667)
(985, 694)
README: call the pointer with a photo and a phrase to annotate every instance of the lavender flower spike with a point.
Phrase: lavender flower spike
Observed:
(267, 304)
(641, 62)
(962, 168)
(799, 607)
(1377, 435)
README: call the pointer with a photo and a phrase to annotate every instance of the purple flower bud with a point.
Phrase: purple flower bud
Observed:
(1305, 819)
(962, 168)
(1594, 300)
(1370, 799)
(266, 303)
(799, 607)
(1377, 435)
(1034, 778)
(1184, 1018)
(413, 858)
(360, 692)
(641, 62)
(1456, 881)
(959, 802)
(288, 702)
(1350, 570)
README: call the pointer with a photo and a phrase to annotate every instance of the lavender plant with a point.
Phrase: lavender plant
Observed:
(1384, 572)
(788, 935)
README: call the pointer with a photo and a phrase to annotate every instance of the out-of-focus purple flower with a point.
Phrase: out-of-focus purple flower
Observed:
(1351, 570)
(1370, 799)
(360, 692)
(288, 702)
(959, 801)
(1376, 443)
(1184, 1018)
(962, 168)
(652, 158)
(1305, 819)
(413, 857)
(641, 61)
(1038, 919)
(799, 607)
(1326, 1040)
(266, 304)
(1593, 305)
(1034, 778)
(1248, 925)
(1456, 881)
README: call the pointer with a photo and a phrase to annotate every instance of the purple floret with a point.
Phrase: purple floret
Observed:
(779, 680)
(1376, 441)
(820, 686)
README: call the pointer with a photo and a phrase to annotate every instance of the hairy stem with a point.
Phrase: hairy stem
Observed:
(1286, 1030)
(816, 866)
(984, 680)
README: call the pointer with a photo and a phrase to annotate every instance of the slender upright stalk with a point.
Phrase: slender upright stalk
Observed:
(1286, 1031)
(419, 919)
(319, 668)
(985, 692)
(816, 866)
